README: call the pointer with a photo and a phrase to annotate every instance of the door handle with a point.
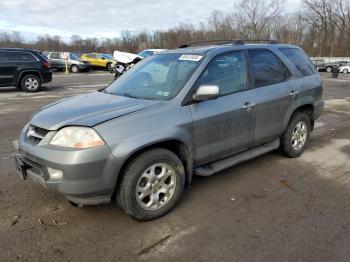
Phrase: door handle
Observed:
(248, 106)
(294, 93)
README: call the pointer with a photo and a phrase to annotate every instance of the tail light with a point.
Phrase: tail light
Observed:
(47, 65)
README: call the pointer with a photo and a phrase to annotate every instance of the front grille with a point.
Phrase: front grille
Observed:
(35, 134)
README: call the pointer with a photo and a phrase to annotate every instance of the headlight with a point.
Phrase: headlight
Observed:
(77, 137)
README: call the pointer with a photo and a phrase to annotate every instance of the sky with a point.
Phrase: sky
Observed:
(105, 18)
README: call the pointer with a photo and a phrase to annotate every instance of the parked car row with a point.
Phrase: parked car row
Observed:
(84, 62)
(322, 66)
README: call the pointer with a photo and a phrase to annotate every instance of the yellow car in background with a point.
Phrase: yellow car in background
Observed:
(99, 60)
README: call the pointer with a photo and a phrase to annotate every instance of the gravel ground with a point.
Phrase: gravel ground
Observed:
(268, 209)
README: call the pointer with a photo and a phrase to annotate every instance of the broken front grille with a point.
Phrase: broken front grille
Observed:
(35, 134)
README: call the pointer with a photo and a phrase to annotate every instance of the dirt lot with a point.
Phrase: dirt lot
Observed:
(268, 209)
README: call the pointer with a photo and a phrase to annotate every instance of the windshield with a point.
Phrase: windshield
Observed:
(73, 57)
(159, 77)
(145, 53)
(107, 56)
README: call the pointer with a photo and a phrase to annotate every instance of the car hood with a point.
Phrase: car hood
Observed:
(87, 110)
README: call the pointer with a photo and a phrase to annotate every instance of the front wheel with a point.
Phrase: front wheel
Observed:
(152, 184)
(109, 66)
(297, 135)
(329, 69)
(74, 69)
(345, 71)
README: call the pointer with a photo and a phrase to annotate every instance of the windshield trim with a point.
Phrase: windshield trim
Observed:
(181, 88)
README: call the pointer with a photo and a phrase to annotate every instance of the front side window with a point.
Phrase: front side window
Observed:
(267, 68)
(227, 71)
(4, 56)
(300, 60)
(159, 77)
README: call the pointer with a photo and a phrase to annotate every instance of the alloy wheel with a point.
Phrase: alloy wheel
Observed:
(299, 135)
(156, 186)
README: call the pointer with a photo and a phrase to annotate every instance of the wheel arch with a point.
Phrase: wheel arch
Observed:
(28, 72)
(178, 147)
(307, 108)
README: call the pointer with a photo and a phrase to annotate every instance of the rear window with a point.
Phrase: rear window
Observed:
(300, 60)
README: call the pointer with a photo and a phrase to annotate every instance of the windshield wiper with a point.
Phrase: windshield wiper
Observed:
(131, 96)
(103, 90)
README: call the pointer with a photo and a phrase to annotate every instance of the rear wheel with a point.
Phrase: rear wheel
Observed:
(345, 71)
(297, 135)
(152, 184)
(30, 83)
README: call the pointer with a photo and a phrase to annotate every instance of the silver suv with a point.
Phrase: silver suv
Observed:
(179, 113)
(74, 63)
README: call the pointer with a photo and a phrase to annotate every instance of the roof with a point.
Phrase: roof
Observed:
(16, 49)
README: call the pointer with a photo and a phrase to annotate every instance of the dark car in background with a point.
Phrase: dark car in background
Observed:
(329, 67)
(75, 64)
(24, 68)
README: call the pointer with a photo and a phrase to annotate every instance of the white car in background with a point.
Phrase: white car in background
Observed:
(148, 52)
(344, 69)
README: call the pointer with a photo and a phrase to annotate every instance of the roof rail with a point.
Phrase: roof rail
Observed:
(226, 41)
(243, 41)
(231, 41)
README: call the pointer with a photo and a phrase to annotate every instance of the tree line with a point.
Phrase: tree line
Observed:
(320, 27)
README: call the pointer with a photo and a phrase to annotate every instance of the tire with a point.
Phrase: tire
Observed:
(345, 71)
(329, 69)
(30, 83)
(142, 175)
(74, 69)
(296, 136)
(108, 66)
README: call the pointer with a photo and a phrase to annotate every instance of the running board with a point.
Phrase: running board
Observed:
(210, 169)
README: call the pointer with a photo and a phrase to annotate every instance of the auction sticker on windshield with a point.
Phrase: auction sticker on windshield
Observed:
(195, 58)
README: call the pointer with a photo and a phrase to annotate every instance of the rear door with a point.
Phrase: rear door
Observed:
(8, 67)
(55, 60)
(275, 94)
(224, 126)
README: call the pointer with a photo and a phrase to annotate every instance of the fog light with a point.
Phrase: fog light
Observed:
(55, 174)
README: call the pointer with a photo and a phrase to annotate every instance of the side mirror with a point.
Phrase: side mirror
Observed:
(206, 92)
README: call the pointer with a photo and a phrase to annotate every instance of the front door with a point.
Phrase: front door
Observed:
(8, 68)
(224, 126)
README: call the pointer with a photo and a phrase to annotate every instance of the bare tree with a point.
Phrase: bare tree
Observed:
(257, 15)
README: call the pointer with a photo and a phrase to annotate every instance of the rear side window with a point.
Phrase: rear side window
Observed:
(25, 57)
(300, 60)
(267, 68)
